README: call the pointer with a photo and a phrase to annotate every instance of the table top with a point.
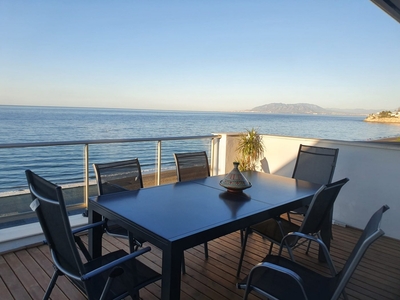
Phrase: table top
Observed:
(175, 211)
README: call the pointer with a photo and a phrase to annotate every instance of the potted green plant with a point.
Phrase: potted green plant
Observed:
(250, 149)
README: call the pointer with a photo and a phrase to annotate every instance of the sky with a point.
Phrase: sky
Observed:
(225, 55)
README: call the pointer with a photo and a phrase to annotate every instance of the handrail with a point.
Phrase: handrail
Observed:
(105, 141)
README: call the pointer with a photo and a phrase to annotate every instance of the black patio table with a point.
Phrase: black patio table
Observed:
(178, 216)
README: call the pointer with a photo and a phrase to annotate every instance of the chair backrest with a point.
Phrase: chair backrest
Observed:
(192, 165)
(320, 206)
(315, 164)
(370, 234)
(48, 203)
(118, 176)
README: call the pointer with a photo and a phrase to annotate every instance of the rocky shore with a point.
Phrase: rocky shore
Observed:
(394, 140)
(381, 120)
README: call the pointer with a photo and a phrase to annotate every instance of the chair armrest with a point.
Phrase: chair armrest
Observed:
(88, 226)
(266, 265)
(321, 244)
(83, 228)
(115, 263)
(102, 268)
(304, 236)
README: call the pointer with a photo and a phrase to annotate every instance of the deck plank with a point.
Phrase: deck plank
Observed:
(25, 274)
(11, 279)
(4, 292)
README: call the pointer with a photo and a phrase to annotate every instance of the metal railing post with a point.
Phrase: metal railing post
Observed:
(215, 155)
(159, 162)
(86, 189)
(212, 157)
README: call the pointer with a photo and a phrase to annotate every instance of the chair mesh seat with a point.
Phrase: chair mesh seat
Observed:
(142, 274)
(315, 164)
(317, 287)
(273, 230)
(118, 176)
(192, 165)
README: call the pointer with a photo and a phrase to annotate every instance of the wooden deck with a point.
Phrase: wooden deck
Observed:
(24, 274)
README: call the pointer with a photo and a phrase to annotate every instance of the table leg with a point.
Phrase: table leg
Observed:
(95, 234)
(171, 274)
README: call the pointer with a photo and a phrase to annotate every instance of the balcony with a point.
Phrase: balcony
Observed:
(373, 172)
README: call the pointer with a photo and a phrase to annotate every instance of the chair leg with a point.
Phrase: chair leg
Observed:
(246, 234)
(183, 258)
(246, 293)
(288, 216)
(308, 247)
(106, 287)
(270, 248)
(52, 284)
(345, 295)
(290, 253)
(133, 246)
(206, 250)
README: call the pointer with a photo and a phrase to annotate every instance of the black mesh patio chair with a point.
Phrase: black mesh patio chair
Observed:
(275, 229)
(191, 166)
(279, 278)
(112, 276)
(314, 164)
(114, 177)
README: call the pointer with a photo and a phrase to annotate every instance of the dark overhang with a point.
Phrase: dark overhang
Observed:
(391, 7)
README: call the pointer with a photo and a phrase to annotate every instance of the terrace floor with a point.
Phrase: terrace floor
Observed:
(24, 274)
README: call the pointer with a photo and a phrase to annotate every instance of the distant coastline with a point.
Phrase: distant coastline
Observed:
(382, 120)
(308, 109)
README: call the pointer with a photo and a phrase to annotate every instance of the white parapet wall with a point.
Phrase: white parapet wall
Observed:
(26, 235)
(373, 170)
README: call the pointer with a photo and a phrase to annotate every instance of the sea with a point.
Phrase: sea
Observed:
(63, 164)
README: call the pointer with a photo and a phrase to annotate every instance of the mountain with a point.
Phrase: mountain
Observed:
(299, 108)
(307, 108)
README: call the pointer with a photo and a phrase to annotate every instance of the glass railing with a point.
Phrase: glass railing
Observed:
(69, 164)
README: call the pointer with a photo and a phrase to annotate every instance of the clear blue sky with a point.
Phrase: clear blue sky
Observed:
(198, 55)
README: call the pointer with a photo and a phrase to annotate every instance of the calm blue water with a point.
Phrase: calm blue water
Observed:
(64, 164)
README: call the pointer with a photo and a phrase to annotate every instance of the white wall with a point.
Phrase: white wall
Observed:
(19, 237)
(373, 170)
